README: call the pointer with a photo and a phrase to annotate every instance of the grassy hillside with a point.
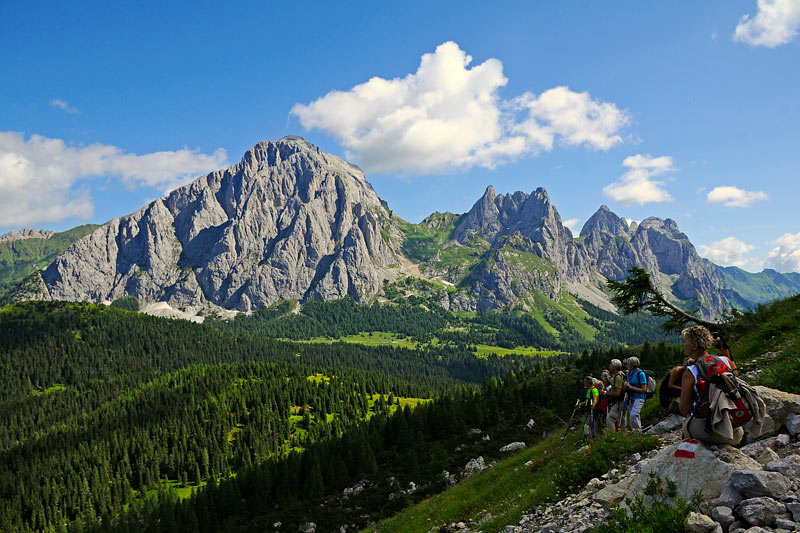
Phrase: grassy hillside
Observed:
(762, 287)
(766, 344)
(20, 258)
(499, 496)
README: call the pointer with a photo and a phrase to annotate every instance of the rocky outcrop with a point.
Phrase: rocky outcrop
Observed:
(525, 222)
(287, 222)
(529, 249)
(26, 233)
(737, 492)
(665, 252)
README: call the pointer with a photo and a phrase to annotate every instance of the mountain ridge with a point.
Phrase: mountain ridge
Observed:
(291, 222)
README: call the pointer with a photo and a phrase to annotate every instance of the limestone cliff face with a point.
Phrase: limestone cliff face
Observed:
(530, 248)
(26, 233)
(287, 222)
(290, 222)
(664, 251)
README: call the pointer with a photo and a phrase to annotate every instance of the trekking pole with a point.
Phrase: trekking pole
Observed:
(623, 419)
(569, 423)
(591, 414)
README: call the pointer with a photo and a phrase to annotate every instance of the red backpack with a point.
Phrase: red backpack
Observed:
(713, 369)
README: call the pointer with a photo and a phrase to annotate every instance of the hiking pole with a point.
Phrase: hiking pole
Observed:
(621, 423)
(591, 414)
(569, 423)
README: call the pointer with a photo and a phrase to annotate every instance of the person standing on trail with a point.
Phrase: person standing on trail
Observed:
(589, 404)
(615, 394)
(636, 388)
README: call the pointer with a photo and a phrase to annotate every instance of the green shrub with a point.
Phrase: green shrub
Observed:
(660, 517)
(129, 303)
(577, 469)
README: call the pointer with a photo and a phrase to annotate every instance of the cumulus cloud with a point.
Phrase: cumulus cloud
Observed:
(40, 177)
(733, 196)
(727, 252)
(572, 224)
(449, 115)
(785, 256)
(637, 186)
(776, 23)
(61, 104)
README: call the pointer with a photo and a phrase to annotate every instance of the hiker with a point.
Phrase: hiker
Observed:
(615, 396)
(710, 426)
(589, 402)
(636, 389)
(605, 377)
(670, 391)
(601, 410)
(670, 394)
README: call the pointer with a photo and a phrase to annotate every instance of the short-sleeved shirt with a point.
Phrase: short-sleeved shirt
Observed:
(638, 379)
(591, 394)
(618, 383)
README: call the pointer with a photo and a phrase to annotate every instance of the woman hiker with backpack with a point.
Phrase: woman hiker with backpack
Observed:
(670, 390)
(704, 421)
(636, 389)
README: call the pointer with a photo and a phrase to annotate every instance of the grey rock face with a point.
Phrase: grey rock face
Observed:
(535, 223)
(788, 466)
(699, 523)
(513, 446)
(753, 483)
(663, 250)
(760, 511)
(723, 515)
(793, 424)
(26, 233)
(530, 248)
(287, 222)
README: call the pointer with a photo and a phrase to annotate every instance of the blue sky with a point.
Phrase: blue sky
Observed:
(682, 110)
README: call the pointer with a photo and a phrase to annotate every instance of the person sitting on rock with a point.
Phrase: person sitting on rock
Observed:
(671, 392)
(615, 396)
(696, 342)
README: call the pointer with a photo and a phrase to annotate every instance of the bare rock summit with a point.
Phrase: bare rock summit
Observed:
(287, 222)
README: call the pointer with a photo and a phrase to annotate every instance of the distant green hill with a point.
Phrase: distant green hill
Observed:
(18, 259)
(762, 287)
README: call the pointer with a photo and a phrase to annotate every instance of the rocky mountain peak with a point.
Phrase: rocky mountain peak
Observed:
(26, 233)
(605, 221)
(287, 222)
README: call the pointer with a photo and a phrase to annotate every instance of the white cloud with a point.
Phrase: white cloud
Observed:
(572, 224)
(776, 23)
(449, 115)
(727, 252)
(61, 104)
(785, 257)
(637, 185)
(733, 196)
(40, 177)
